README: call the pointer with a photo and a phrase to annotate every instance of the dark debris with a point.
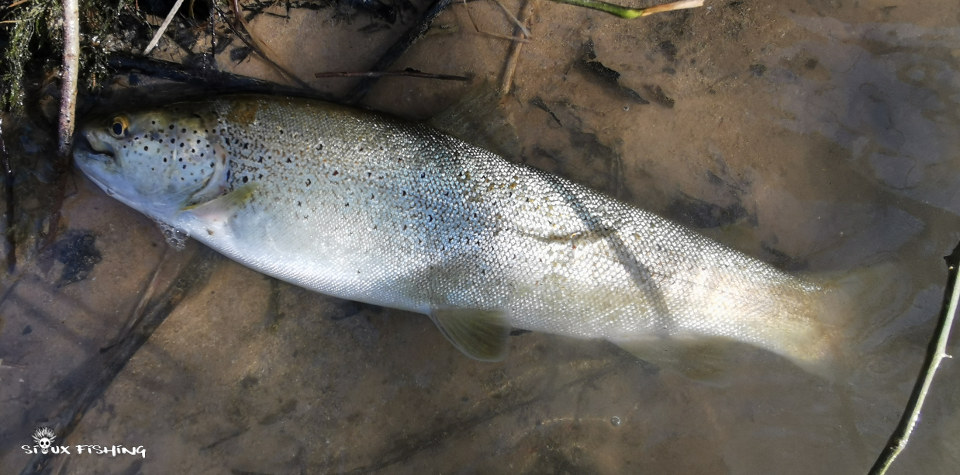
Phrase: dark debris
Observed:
(78, 253)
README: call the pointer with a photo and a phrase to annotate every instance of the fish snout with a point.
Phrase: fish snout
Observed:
(88, 145)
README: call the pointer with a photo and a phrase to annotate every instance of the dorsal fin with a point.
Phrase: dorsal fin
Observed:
(479, 118)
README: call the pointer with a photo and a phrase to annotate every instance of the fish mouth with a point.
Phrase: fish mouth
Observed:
(89, 148)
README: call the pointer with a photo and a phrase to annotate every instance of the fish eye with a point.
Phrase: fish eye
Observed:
(119, 126)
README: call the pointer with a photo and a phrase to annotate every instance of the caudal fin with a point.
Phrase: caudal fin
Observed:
(851, 312)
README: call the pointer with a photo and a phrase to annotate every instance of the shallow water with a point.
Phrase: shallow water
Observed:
(818, 136)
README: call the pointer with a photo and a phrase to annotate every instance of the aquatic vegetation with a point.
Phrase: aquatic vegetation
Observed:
(31, 35)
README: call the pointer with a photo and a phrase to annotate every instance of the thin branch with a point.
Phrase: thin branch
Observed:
(16, 4)
(630, 13)
(71, 67)
(397, 49)
(513, 19)
(506, 84)
(380, 74)
(255, 45)
(163, 27)
(936, 352)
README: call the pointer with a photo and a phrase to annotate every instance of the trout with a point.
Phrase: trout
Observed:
(371, 208)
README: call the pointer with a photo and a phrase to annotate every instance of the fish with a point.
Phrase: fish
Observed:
(368, 207)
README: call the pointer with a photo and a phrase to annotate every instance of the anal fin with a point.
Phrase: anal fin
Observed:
(479, 334)
(707, 359)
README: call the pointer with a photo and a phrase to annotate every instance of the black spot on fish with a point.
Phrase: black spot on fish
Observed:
(423, 175)
(288, 160)
(335, 173)
(173, 140)
(211, 163)
(309, 182)
(171, 127)
(244, 179)
(164, 159)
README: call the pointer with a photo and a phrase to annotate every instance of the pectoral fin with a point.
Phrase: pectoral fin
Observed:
(219, 208)
(479, 334)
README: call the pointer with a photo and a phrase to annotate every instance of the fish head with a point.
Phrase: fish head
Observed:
(158, 162)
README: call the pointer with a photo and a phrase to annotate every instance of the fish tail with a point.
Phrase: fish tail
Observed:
(849, 313)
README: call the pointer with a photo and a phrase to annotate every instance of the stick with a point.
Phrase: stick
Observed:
(936, 352)
(510, 67)
(380, 74)
(163, 27)
(394, 52)
(631, 13)
(256, 45)
(71, 67)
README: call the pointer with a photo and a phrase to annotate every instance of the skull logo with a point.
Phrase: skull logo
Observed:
(44, 438)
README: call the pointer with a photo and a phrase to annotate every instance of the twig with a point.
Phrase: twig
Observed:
(380, 74)
(630, 13)
(936, 352)
(498, 36)
(396, 50)
(163, 27)
(71, 66)
(256, 46)
(513, 19)
(16, 4)
(506, 84)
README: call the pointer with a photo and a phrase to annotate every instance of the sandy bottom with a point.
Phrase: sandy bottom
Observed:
(820, 136)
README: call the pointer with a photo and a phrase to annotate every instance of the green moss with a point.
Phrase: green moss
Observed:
(31, 35)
